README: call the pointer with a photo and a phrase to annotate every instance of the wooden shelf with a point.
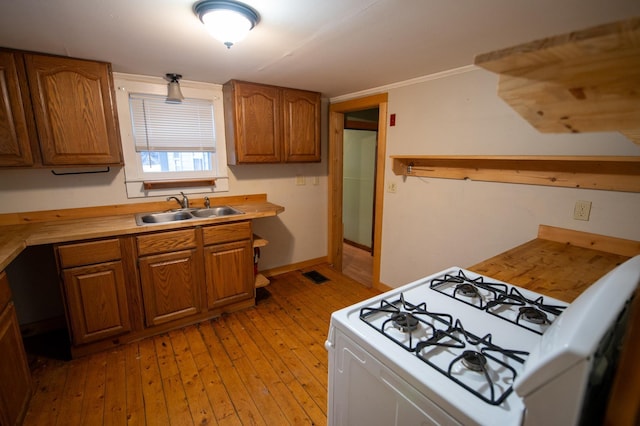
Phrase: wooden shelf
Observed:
(184, 183)
(261, 280)
(584, 81)
(259, 241)
(605, 173)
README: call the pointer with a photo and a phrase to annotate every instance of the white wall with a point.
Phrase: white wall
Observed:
(430, 224)
(298, 234)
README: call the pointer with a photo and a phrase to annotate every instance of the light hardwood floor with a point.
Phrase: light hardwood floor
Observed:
(265, 365)
(357, 264)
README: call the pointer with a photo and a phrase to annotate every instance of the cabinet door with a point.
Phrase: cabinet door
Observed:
(257, 125)
(170, 286)
(229, 273)
(301, 128)
(97, 301)
(15, 148)
(74, 106)
(15, 377)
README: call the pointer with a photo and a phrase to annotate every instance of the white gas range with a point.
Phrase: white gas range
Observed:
(460, 348)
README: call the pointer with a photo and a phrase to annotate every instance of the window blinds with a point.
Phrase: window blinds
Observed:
(162, 126)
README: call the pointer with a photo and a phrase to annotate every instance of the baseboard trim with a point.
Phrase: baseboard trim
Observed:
(294, 266)
(43, 326)
(382, 287)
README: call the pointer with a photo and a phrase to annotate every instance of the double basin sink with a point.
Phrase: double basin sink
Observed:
(185, 214)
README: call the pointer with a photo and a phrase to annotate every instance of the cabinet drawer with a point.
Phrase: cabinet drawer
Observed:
(5, 291)
(226, 233)
(88, 253)
(166, 241)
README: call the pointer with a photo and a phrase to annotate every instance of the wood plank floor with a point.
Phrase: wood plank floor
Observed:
(264, 365)
(357, 264)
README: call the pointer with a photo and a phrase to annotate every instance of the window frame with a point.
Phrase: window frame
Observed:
(134, 175)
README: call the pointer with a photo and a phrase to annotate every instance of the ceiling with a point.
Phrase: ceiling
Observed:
(336, 47)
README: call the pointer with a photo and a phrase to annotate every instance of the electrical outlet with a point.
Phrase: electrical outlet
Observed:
(392, 187)
(300, 180)
(582, 210)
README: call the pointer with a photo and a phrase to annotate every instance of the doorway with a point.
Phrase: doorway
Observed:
(358, 196)
(337, 114)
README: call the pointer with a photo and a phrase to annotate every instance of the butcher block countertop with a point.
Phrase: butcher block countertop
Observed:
(30, 229)
(560, 263)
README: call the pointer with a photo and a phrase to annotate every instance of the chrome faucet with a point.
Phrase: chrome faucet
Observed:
(207, 203)
(184, 203)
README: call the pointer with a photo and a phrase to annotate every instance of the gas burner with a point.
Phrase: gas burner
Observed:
(474, 361)
(473, 291)
(467, 290)
(404, 321)
(533, 315)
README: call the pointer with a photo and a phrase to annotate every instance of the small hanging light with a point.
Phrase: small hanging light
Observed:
(174, 94)
(226, 20)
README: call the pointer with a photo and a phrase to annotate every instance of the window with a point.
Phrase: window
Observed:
(170, 141)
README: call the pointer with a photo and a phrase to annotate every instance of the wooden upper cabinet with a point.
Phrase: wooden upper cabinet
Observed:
(253, 124)
(15, 112)
(74, 107)
(270, 124)
(301, 125)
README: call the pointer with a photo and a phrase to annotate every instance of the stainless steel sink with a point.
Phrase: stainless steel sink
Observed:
(165, 217)
(186, 214)
(216, 211)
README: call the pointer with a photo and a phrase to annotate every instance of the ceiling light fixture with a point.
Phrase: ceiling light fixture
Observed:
(174, 94)
(226, 20)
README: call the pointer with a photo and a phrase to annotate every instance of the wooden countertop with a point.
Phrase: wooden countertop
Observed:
(15, 238)
(560, 263)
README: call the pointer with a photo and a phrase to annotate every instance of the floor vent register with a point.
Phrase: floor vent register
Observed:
(316, 277)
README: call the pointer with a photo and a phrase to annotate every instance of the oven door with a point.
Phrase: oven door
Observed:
(363, 391)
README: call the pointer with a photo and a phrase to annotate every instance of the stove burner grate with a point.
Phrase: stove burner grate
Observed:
(533, 315)
(472, 291)
(407, 318)
(447, 350)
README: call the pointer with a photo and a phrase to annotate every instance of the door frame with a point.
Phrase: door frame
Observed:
(336, 135)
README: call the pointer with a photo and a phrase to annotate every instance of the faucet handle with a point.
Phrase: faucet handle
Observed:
(185, 201)
(207, 203)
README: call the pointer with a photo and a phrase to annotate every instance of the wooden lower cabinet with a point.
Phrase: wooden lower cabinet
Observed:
(229, 273)
(15, 377)
(121, 289)
(170, 286)
(95, 289)
(97, 301)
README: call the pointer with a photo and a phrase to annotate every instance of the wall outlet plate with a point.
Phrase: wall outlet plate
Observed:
(582, 210)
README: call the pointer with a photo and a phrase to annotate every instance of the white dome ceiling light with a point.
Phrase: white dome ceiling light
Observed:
(226, 20)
